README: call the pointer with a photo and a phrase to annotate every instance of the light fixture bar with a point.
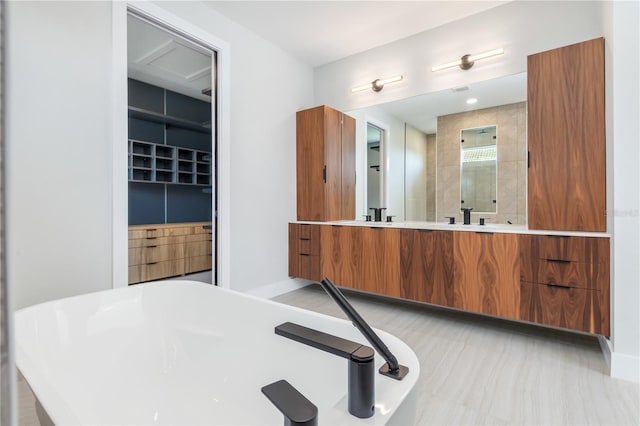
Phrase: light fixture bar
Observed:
(467, 61)
(377, 84)
(494, 52)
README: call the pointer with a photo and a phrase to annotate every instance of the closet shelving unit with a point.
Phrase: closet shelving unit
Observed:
(160, 163)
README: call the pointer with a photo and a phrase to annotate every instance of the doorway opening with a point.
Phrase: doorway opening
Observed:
(375, 168)
(172, 154)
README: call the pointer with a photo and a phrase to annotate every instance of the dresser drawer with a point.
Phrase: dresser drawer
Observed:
(156, 241)
(197, 237)
(198, 263)
(198, 248)
(157, 270)
(145, 233)
(150, 254)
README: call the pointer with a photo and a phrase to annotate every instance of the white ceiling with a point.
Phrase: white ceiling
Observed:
(319, 32)
(164, 59)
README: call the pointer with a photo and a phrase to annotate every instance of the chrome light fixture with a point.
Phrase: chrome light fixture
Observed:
(377, 84)
(468, 60)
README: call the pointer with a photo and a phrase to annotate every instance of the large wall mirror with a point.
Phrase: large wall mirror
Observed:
(423, 167)
(478, 169)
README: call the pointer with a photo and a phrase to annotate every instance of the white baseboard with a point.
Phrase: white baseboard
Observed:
(625, 367)
(605, 347)
(275, 289)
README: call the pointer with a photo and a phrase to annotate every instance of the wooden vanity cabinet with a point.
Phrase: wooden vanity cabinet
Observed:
(565, 282)
(566, 138)
(426, 266)
(304, 251)
(486, 273)
(325, 161)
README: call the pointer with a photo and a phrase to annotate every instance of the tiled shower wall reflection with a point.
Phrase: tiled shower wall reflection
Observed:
(511, 121)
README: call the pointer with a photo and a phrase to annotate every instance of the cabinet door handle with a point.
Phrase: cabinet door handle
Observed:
(151, 238)
(324, 174)
(528, 159)
(487, 233)
(152, 246)
(152, 263)
(558, 260)
(566, 287)
(304, 254)
(425, 230)
(305, 239)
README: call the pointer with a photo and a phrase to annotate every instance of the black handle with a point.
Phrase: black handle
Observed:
(425, 230)
(558, 260)
(152, 246)
(297, 409)
(528, 159)
(305, 239)
(304, 254)
(566, 287)
(324, 174)
(151, 238)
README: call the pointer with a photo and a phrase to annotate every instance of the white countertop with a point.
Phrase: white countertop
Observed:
(443, 226)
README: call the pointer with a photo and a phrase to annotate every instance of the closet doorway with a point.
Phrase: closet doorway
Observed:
(172, 154)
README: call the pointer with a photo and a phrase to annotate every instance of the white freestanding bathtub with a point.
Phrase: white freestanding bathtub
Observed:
(187, 353)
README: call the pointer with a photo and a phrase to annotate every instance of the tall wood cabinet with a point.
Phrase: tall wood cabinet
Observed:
(325, 155)
(566, 138)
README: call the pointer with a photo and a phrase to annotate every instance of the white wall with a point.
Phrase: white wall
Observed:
(520, 27)
(623, 109)
(523, 28)
(267, 88)
(58, 149)
(60, 162)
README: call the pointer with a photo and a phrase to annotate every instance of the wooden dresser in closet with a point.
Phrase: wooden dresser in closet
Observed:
(167, 250)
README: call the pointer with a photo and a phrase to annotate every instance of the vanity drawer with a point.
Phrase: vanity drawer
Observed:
(309, 247)
(309, 267)
(567, 307)
(308, 232)
(564, 273)
(574, 249)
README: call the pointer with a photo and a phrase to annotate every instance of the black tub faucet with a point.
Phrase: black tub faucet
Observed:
(467, 215)
(361, 391)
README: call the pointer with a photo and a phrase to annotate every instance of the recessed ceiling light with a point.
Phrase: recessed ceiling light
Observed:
(472, 101)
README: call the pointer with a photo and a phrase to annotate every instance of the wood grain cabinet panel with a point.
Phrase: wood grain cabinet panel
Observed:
(380, 261)
(426, 265)
(325, 164)
(340, 254)
(487, 273)
(566, 138)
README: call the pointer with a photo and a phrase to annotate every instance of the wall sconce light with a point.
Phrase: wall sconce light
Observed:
(467, 60)
(377, 84)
